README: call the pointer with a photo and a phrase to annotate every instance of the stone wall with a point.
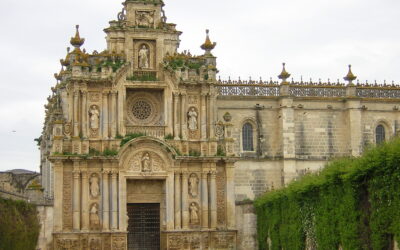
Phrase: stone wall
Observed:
(45, 214)
(246, 221)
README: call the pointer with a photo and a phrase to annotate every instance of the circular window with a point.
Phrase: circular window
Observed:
(141, 110)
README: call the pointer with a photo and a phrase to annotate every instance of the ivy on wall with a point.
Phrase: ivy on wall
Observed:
(353, 203)
(19, 225)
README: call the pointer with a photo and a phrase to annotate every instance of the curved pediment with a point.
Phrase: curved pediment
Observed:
(146, 156)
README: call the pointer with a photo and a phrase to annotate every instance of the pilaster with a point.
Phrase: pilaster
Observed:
(113, 114)
(185, 205)
(204, 199)
(85, 199)
(105, 115)
(76, 112)
(230, 195)
(76, 197)
(178, 201)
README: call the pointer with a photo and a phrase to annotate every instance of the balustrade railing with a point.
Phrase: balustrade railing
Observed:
(306, 89)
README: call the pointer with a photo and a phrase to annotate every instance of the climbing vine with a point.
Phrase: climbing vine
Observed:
(353, 203)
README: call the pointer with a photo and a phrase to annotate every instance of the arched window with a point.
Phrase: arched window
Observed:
(247, 137)
(380, 134)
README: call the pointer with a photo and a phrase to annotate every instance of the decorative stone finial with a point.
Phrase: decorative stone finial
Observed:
(208, 45)
(284, 74)
(350, 77)
(77, 41)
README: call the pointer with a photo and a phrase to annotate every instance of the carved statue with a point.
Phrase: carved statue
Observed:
(192, 122)
(94, 117)
(194, 216)
(94, 217)
(193, 185)
(146, 164)
(143, 57)
(94, 186)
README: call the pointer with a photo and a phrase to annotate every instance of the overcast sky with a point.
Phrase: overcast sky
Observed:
(316, 39)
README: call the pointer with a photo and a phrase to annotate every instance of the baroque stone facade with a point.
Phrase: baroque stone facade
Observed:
(142, 131)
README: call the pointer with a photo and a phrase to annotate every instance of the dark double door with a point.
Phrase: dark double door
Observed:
(144, 226)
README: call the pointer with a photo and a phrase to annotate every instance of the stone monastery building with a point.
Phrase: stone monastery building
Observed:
(144, 148)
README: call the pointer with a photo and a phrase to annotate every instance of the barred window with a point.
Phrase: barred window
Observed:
(247, 137)
(380, 134)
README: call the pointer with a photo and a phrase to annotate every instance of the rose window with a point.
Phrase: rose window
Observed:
(141, 110)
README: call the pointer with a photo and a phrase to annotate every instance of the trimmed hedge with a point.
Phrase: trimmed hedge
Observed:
(353, 203)
(19, 225)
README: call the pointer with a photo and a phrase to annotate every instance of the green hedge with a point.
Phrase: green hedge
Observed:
(19, 225)
(353, 203)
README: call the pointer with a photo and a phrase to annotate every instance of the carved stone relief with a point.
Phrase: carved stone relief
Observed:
(221, 194)
(193, 185)
(118, 243)
(95, 244)
(145, 161)
(194, 213)
(224, 240)
(193, 99)
(67, 200)
(67, 244)
(94, 96)
(94, 217)
(94, 186)
(145, 19)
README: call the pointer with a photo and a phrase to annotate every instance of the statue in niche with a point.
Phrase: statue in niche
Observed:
(192, 121)
(144, 57)
(193, 185)
(194, 213)
(146, 163)
(94, 216)
(94, 117)
(94, 186)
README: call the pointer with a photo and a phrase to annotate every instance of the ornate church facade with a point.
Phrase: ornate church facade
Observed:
(144, 148)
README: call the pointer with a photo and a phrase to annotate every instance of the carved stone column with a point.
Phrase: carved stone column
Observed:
(113, 114)
(106, 202)
(76, 124)
(84, 114)
(177, 200)
(76, 197)
(185, 205)
(203, 117)
(105, 115)
(85, 199)
(184, 116)
(230, 195)
(176, 117)
(204, 199)
(114, 204)
(213, 199)
(58, 193)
